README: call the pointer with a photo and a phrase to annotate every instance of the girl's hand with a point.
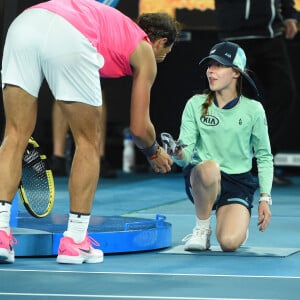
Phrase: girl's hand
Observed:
(264, 215)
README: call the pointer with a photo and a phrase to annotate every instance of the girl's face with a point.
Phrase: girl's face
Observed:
(221, 77)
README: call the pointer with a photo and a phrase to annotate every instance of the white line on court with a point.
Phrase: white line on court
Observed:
(152, 274)
(127, 297)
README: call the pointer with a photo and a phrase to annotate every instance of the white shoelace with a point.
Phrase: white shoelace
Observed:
(197, 233)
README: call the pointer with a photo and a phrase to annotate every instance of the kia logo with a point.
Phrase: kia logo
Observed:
(209, 120)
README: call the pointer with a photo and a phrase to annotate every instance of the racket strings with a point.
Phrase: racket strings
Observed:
(35, 181)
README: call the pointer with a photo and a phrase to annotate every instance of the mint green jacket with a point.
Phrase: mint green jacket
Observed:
(228, 136)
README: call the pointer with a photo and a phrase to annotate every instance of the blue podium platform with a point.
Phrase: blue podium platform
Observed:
(115, 234)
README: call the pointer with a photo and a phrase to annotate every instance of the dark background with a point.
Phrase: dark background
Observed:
(178, 78)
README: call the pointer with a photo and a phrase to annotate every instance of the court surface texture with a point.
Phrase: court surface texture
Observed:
(266, 267)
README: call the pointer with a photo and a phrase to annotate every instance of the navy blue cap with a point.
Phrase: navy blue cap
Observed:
(231, 55)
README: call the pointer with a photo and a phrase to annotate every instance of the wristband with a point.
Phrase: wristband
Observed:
(155, 155)
(267, 199)
(150, 151)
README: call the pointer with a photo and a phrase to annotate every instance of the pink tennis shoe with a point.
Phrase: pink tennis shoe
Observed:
(70, 252)
(7, 253)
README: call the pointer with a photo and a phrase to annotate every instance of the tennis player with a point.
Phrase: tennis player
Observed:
(223, 129)
(72, 44)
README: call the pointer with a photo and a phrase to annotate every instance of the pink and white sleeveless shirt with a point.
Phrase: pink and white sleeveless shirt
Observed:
(114, 35)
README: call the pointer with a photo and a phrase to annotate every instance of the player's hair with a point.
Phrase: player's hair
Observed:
(159, 25)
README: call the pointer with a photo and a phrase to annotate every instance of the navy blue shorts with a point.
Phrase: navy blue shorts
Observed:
(235, 188)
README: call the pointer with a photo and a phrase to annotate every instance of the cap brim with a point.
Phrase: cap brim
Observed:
(251, 81)
(217, 58)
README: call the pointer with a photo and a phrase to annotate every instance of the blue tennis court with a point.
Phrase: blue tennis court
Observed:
(267, 267)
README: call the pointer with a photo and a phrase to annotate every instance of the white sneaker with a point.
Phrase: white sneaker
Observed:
(198, 240)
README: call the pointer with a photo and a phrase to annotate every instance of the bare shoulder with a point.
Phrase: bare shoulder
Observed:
(143, 53)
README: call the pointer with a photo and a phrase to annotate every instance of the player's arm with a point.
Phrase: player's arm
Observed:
(142, 129)
(145, 69)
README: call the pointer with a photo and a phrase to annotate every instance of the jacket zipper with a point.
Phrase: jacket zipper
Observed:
(272, 8)
(272, 18)
(247, 9)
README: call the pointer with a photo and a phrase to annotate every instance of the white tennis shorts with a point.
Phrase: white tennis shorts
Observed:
(42, 45)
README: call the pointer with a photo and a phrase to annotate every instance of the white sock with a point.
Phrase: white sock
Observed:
(77, 227)
(203, 223)
(5, 208)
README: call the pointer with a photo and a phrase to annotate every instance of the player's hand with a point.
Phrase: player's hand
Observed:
(162, 162)
(264, 215)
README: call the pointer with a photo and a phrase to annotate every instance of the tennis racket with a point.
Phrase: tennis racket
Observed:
(37, 184)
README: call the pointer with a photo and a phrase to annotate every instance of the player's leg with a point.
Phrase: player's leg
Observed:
(20, 115)
(21, 81)
(84, 120)
(73, 77)
(85, 125)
